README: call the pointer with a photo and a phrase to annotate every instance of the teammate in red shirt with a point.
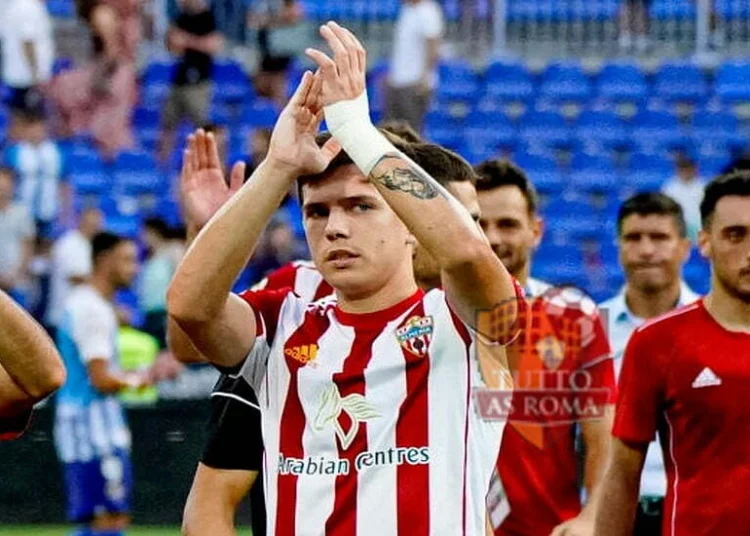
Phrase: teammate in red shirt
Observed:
(685, 376)
(368, 419)
(564, 344)
(30, 367)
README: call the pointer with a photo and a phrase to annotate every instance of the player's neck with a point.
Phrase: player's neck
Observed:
(652, 304)
(729, 311)
(522, 275)
(103, 286)
(390, 294)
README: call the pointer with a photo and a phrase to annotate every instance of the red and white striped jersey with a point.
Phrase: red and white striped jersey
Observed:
(369, 422)
(302, 277)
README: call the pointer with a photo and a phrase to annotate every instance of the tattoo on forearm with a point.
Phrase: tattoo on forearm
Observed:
(411, 180)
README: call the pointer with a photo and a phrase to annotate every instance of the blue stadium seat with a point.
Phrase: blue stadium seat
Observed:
(88, 176)
(262, 113)
(648, 171)
(603, 128)
(136, 173)
(61, 65)
(508, 82)
(545, 128)
(458, 82)
(732, 9)
(718, 126)
(657, 129)
(673, 9)
(593, 174)
(733, 82)
(490, 130)
(64, 9)
(565, 82)
(622, 82)
(443, 129)
(682, 82)
(231, 82)
(155, 82)
(126, 226)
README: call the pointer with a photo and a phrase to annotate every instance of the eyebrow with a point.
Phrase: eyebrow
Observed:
(351, 200)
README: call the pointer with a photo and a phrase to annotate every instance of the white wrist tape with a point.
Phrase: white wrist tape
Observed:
(349, 122)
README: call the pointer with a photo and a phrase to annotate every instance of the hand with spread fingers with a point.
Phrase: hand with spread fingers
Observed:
(293, 146)
(343, 77)
(203, 188)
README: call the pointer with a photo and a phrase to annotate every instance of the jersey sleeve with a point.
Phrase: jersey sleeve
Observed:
(235, 440)
(284, 277)
(266, 305)
(642, 388)
(94, 333)
(14, 427)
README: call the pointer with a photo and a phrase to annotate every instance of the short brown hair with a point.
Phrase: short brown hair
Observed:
(402, 129)
(342, 159)
(730, 184)
(443, 165)
(502, 172)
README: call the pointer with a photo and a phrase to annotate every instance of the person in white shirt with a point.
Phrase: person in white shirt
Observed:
(71, 262)
(687, 189)
(17, 233)
(413, 74)
(28, 48)
(652, 237)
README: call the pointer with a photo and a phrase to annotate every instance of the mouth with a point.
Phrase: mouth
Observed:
(341, 257)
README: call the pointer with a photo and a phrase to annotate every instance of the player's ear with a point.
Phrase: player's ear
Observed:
(704, 243)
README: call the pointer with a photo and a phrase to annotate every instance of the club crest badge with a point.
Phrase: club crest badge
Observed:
(415, 335)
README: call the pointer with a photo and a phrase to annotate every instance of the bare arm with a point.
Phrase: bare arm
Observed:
(473, 277)
(103, 380)
(212, 503)
(596, 435)
(30, 52)
(615, 514)
(220, 325)
(30, 367)
(433, 55)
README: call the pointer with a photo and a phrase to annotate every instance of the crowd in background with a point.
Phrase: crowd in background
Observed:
(45, 228)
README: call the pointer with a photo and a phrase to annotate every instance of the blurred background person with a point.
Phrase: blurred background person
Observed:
(17, 234)
(277, 23)
(686, 187)
(634, 19)
(195, 39)
(71, 263)
(413, 70)
(28, 51)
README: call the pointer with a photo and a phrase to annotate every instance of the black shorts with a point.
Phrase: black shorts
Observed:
(235, 440)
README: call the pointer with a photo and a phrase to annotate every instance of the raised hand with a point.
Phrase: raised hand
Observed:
(293, 143)
(203, 188)
(343, 77)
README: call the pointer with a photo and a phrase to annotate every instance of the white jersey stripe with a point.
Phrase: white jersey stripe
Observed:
(315, 492)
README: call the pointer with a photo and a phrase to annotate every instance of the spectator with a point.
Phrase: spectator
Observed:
(687, 189)
(413, 75)
(16, 240)
(116, 24)
(98, 99)
(278, 23)
(28, 50)
(71, 263)
(39, 166)
(634, 21)
(278, 247)
(157, 272)
(195, 38)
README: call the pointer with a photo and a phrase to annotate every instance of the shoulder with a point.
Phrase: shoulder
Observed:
(667, 326)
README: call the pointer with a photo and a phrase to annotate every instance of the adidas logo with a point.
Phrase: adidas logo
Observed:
(707, 378)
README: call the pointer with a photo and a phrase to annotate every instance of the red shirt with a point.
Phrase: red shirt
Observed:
(564, 340)
(13, 427)
(687, 378)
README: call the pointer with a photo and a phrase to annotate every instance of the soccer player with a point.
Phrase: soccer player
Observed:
(30, 367)
(230, 462)
(653, 243)
(91, 436)
(564, 343)
(368, 420)
(685, 375)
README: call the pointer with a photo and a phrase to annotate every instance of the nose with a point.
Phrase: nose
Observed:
(646, 248)
(337, 225)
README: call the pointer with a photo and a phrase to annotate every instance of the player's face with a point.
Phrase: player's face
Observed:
(357, 242)
(651, 251)
(726, 243)
(426, 268)
(124, 264)
(512, 232)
